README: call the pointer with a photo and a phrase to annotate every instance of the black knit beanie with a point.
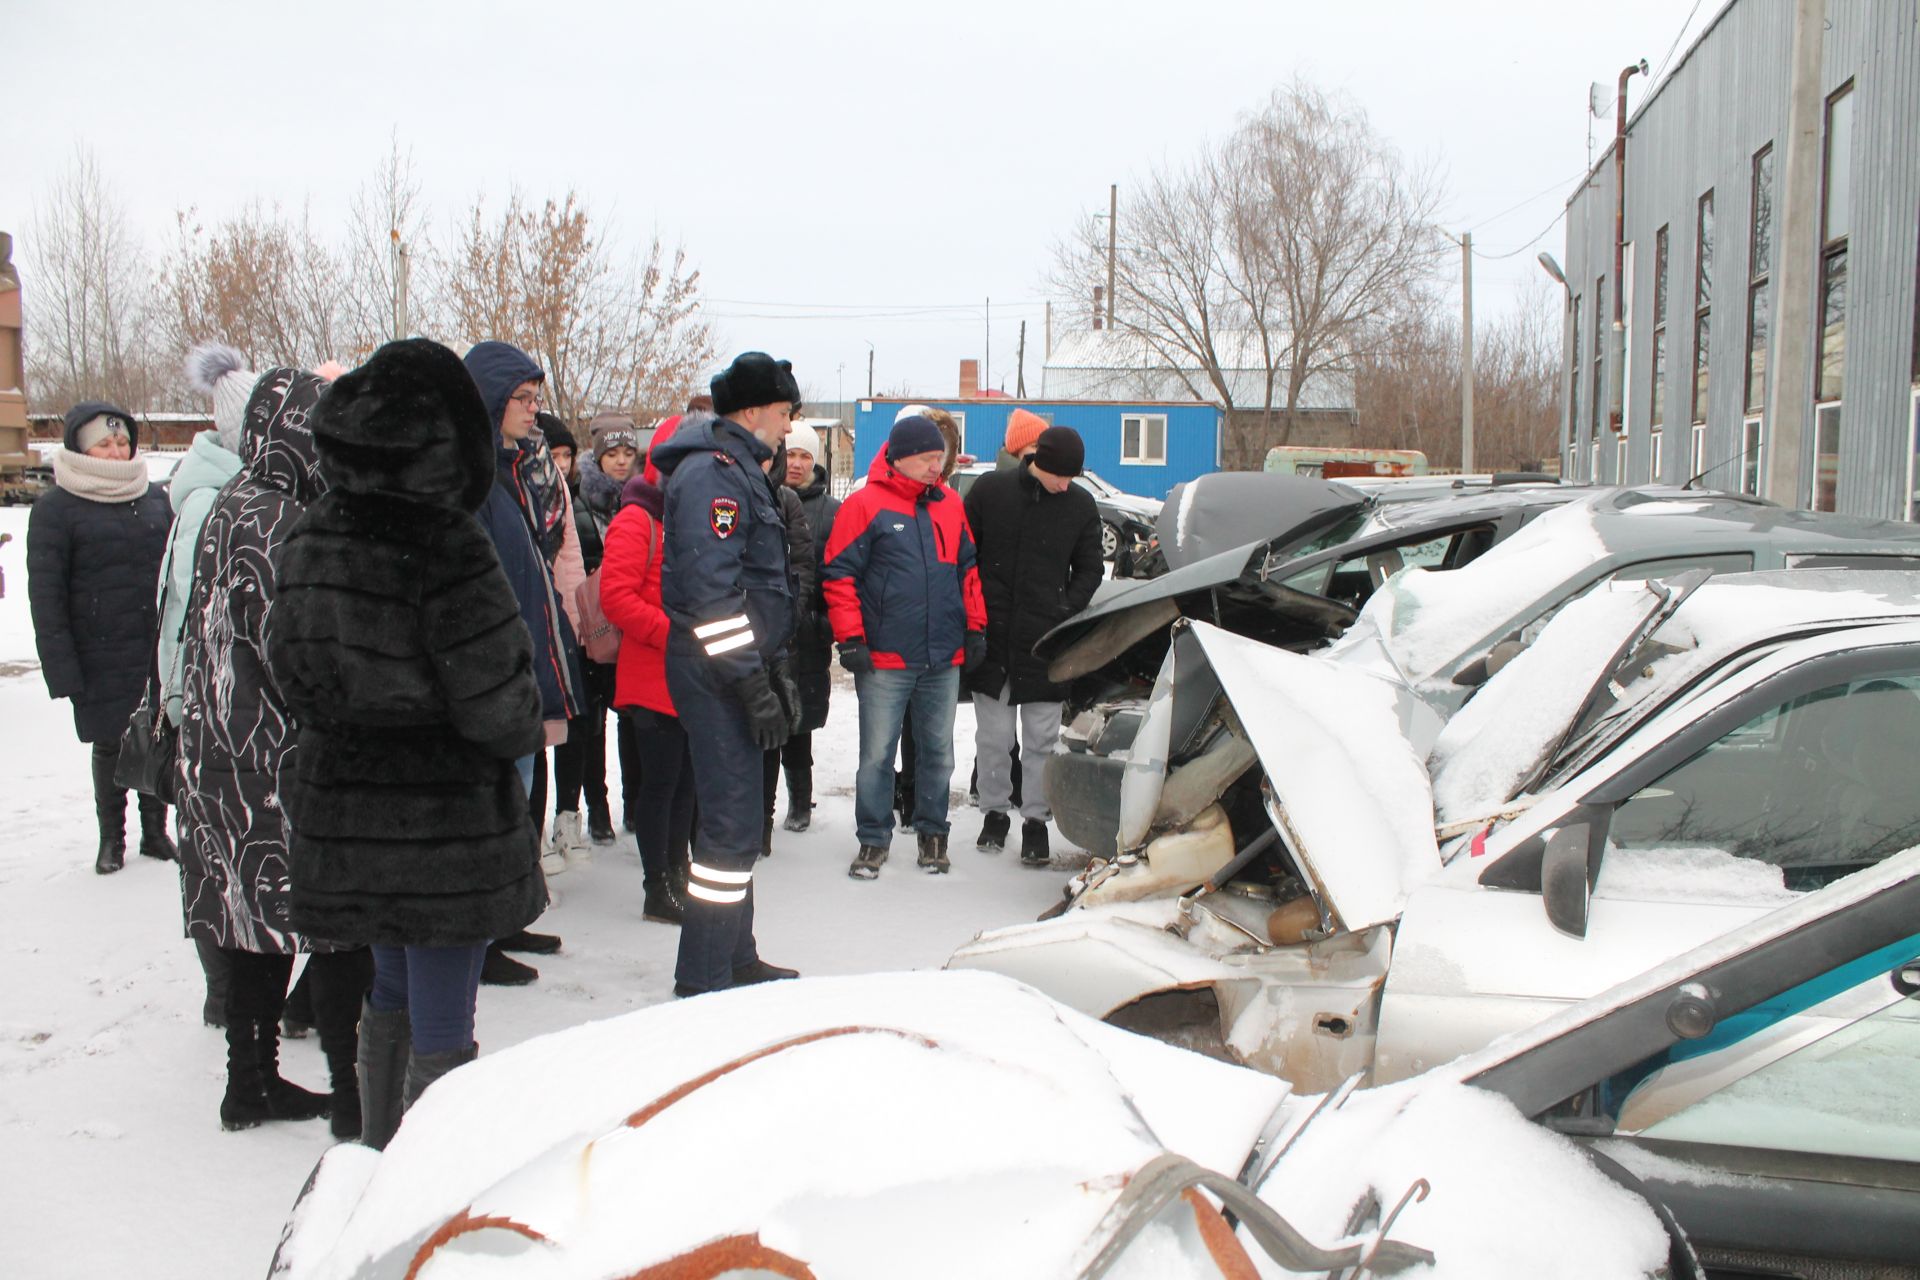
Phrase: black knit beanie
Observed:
(1061, 452)
(913, 435)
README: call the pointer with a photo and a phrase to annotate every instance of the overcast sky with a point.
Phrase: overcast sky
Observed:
(868, 173)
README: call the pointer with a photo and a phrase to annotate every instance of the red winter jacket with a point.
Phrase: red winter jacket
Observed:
(900, 572)
(630, 597)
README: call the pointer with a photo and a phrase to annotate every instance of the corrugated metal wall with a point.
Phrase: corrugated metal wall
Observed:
(1193, 436)
(1722, 104)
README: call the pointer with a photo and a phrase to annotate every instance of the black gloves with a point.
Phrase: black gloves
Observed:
(787, 689)
(766, 718)
(976, 649)
(855, 658)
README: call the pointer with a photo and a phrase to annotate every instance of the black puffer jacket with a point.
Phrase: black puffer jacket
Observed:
(93, 572)
(398, 644)
(235, 731)
(1039, 565)
(812, 635)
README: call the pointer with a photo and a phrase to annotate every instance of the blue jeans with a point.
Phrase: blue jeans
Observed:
(885, 695)
(437, 986)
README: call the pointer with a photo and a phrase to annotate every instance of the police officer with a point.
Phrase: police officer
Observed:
(725, 589)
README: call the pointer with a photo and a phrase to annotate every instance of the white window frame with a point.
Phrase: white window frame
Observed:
(1144, 458)
(1656, 456)
(1820, 412)
(1913, 453)
(1697, 450)
(1753, 427)
(1593, 463)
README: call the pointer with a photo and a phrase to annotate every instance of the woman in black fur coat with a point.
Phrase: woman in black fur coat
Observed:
(399, 646)
(94, 546)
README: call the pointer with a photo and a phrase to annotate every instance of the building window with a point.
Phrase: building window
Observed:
(1657, 411)
(1656, 462)
(1597, 390)
(1702, 303)
(1826, 456)
(1913, 456)
(1835, 225)
(1143, 439)
(1573, 378)
(1697, 451)
(1620, 458)
(1593, 463)
(1752, 456)
(1759, 263)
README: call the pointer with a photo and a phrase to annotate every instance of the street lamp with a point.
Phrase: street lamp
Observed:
(1552, 268)
(869, 343)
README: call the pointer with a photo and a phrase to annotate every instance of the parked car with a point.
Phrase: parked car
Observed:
(1693, 752)
(1438, 633)
(939, 1125)
(1126, 519)
(1677, 1129)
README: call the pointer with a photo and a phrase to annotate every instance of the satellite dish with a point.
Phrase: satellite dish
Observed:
(1599, 101)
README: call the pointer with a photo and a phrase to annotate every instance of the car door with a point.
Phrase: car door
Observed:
(1765, 788)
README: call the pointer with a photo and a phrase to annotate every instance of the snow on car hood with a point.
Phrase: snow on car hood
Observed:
(1425, 617)
(928, 1124)
(1345, 753)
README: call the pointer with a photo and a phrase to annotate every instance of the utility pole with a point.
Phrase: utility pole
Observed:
(986, 362)
(869, 343)
(1020, 379)
(1617, 383)
(1466, 351)
(1789, 398)
(402, 262)
(1113, 236)
(1048, 336)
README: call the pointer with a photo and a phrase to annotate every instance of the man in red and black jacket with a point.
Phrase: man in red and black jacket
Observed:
(903, 598)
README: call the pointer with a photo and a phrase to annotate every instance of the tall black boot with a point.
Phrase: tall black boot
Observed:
(110, 807)
(287, 1100)
(153, 831)
(339, 981)
(255, 1091)
(425, 1068)
(219, 970)
(386, 1043)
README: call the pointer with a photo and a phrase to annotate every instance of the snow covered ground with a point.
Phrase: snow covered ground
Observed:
(111, 1153)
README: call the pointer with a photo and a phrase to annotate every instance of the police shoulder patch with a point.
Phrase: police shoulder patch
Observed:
(724, 516)
(726, 459)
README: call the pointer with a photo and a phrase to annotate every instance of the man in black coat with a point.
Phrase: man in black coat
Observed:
(94, 547)
(812, 634)
(1038, 535)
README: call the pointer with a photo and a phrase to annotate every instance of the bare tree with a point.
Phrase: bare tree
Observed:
(1277, 257)
(259, 280)
(387, 212)
(612, 335)
(89, 298)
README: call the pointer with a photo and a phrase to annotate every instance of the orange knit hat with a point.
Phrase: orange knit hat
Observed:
(1023, 429)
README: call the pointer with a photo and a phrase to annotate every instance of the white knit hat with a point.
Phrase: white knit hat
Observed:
(911, 411)
(218, 370)
(804, 439)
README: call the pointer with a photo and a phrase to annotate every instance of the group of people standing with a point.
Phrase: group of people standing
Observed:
(384, 594)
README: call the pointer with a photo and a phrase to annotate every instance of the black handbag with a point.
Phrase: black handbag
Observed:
(148, 749)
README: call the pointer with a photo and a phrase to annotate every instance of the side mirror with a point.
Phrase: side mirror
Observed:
(1567, 868)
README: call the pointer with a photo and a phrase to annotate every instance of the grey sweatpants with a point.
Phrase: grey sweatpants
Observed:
(993, 720)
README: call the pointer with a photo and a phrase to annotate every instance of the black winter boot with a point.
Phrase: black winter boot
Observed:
(219, 972)
(501, 970)
(110, 807)
(993, 833)
(599, 822)
(386, 1042)
(425, 1068)
(1033, 844)
(255, 1091)
(662, 905)
(153, 831)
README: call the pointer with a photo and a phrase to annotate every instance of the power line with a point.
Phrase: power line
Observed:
(1654, 83)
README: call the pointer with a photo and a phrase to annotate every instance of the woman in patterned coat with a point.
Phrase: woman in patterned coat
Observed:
(236, 736)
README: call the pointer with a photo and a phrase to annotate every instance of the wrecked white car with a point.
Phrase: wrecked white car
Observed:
(1319, 878)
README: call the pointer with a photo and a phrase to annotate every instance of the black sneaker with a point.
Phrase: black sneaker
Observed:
(933, 854)
(798, 819)
(502, 970)
(993, 833)
(759, 971)
(1033, 844)
(539, 944)
(867, 863)
(599, 826)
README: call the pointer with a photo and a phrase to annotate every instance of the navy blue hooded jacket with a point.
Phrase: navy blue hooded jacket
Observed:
(510, 516)
(724, 582)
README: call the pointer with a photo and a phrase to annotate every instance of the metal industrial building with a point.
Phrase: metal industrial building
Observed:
(1712, 361)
